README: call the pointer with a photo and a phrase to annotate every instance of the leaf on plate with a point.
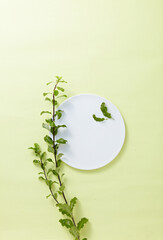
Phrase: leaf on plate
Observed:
(98, 119)
(105, 110)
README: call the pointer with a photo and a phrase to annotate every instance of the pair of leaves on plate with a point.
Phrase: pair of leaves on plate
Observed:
(105, 112)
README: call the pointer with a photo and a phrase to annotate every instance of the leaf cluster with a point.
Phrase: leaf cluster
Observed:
(104, 111)
(57, 92)
(67, 222)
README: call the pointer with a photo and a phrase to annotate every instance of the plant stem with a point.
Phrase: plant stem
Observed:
(59, 179)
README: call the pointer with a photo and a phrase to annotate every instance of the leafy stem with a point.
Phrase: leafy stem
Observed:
(51, 169)
(54, 146)
(43, 168)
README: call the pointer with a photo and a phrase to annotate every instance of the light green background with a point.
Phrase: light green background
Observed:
(113, 48)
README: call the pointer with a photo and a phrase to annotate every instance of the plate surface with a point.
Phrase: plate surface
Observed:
(91, 144)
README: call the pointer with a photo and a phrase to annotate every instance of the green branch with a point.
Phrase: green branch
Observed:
(51, 170)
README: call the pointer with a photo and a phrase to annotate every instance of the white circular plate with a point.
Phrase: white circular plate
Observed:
(90, 144)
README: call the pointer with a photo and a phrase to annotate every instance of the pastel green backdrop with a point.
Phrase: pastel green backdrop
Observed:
(107, 47)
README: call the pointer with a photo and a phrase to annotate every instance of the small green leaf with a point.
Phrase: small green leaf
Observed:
(52, 171)
(56, 182)
(62, 96)
(41, 178)
(31, 148)
(55, 172)
(62, 188)
(48, 99)
(59, 162)
(49, 182)
(55, 102)
(50, 149)
(55, 195)
(73, 202)
(48, 196)
(55, 130)
(36, 162)
(56, 148)
(46, 126)
(62, 175)
(49, 82)
(44, 164)
(64, 209)
(49, 160)
(57, 127)
(74, 231)
(61, 89)
(58, 78)
(48, 140)
(49, 171)
(50, 122)
(105, 110)
(66, 223)
(98, 119)
(59, 156)
(84, 239)
(36, 149)
(41, 173)
(36, 145)
(61, 126)
(61, 141)
(46, 93)
(56, 92)
(63, 81)
(81, 223)
(45, 112)
(43, 155)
